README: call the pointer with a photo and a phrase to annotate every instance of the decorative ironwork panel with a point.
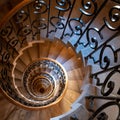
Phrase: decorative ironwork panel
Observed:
(104, 112)
(102, 27)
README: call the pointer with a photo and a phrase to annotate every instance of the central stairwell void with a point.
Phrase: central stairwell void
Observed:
(42, 72)
(60, 60)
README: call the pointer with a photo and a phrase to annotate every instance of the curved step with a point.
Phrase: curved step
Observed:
(78, 112)
(66, 56)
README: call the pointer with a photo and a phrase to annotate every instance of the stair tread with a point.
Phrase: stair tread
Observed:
(75, 74)
(65, 105)
(18, 74)
(18, 82)
(33, 52)
(72, 63)
(44, 48)
(44, 114)
(65, 55)
(25, 58)
(20, 65)
(55, 49)
(72, 95)
(74, 85)
(55, 110)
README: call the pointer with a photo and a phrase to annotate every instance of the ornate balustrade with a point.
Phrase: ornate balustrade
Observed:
(36, 19)
(101, 113)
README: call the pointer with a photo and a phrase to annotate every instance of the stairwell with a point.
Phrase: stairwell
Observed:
(59, 60)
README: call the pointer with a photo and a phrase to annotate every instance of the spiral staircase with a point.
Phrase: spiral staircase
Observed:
(59, 60)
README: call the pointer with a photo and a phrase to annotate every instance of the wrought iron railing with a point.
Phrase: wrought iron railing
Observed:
(100, 113)
(66, 19)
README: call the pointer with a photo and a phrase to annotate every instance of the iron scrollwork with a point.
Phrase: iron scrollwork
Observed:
(93, 40)
(1, 46)
(7, 33)
(40, 23)
(5, 57)
(108, 86)
(24, 31)
(24, 28)
(40, 7)
(112, 23)
(4, 74)
(5, 81)
(62, 6)
(114, 16)
(106, 59)
(21, 16)
(73, 118)
(102, 115)
(89, 7)
(12, 42)
(77, 30)
(58, 24)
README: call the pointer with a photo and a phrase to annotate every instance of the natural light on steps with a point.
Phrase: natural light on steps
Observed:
(59, 59)
(47, 77)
